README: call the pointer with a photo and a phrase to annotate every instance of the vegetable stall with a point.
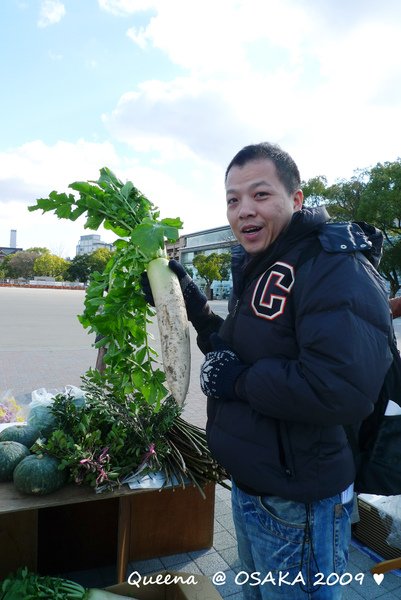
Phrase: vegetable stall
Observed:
(128, 421)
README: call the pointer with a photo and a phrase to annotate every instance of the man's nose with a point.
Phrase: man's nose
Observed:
(247, 207)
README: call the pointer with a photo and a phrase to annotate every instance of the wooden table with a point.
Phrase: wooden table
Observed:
(128, 524)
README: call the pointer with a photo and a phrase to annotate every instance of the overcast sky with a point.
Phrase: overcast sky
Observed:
(165, 92)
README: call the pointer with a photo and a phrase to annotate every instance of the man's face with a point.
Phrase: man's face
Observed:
(259, 207)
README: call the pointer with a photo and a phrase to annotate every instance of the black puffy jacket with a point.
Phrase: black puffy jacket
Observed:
(311, 319)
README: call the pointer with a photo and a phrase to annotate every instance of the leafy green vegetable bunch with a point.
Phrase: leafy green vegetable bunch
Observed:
(26, 585)
(105, 438)
(115, 307)
(101, 440)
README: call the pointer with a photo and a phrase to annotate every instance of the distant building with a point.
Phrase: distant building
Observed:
(12, 248)
(89, 243)
(13, 238)
(173, 248)
(4, 251)
(219, 239)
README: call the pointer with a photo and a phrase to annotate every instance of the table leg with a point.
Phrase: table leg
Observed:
(124, 532)
(18, 541)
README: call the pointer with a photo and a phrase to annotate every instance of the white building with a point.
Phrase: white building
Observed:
(89, 243)
(218, 240)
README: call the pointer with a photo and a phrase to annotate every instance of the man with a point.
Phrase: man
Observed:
(301, 361)
(302, 352)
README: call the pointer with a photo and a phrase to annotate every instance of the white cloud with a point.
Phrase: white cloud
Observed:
(320, 78)
(91, 63)
(43, 166)
(343, 15)
(195, 117)
(328, 131)
(33, 170)
(214, 37)
(51, 12)
(55, 56)
(316, 77)
(126, 7)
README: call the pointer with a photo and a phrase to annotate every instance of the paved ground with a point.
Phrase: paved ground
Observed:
(42, 344)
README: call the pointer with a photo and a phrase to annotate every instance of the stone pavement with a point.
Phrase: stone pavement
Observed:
(42, 344)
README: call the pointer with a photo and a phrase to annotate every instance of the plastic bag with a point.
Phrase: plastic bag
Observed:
(393, 508)
(388, 506)
(44, 397)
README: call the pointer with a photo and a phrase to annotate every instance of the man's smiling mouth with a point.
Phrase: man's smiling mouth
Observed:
(251, 229)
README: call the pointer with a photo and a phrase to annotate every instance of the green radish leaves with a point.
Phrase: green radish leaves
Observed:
(149, 236)
(115, 307)
(119, 207)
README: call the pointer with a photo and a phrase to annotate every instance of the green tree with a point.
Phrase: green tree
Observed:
(212, 267)
(381, 206)
(4, 266)
(3, 270)
(80, 268)
(21, 264)
(50, 265)
(38, 250)
(372, 195)
(315, 190)
(99, 259)
(342, 199)
(390, 265)
(83, 265)
(381, 201)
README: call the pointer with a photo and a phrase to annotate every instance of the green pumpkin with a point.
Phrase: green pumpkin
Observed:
(24, 434)
(39, 474)
(11, 454)
(41, 418)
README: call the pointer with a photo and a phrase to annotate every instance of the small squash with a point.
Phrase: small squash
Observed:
(39, 474)
(41, 418)
(24, 434)
(11, 454)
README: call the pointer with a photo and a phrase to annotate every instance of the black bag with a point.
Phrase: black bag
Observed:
(376, 442)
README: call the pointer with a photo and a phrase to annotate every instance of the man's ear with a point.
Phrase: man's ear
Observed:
(298, 200)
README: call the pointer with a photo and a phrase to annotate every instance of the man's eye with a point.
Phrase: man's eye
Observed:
(261, 194)
(231, 200)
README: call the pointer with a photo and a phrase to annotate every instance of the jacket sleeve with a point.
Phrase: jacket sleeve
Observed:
(205, 324)
(342, 327)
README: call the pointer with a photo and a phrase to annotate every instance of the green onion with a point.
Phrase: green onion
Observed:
(25, 585)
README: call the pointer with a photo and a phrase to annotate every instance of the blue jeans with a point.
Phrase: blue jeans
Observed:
(291, 550)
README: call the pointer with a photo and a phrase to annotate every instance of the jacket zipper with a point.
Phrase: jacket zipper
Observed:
(234, 311)
(281, 430)
(233, 318)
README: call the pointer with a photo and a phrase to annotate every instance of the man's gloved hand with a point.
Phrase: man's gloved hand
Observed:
(220, 371)
(147, 290)
(195, 300)
(395, 307)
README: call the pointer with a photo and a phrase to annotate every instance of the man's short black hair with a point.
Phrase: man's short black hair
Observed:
(286, 168)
